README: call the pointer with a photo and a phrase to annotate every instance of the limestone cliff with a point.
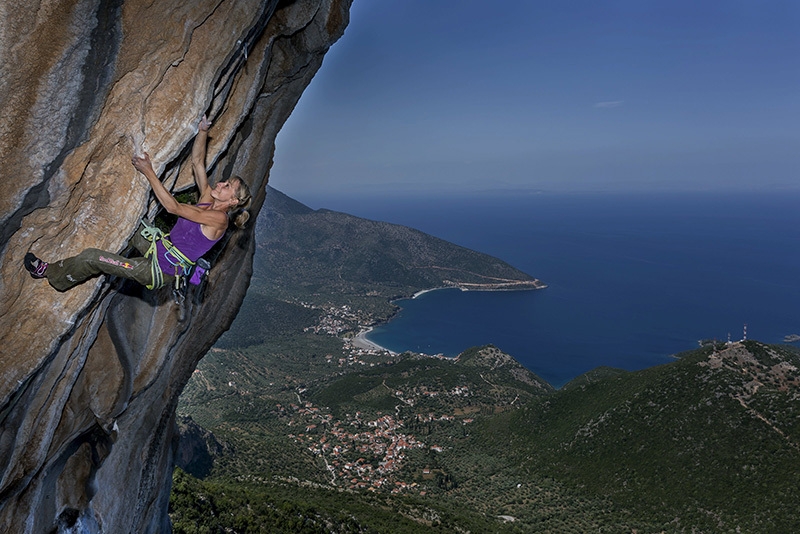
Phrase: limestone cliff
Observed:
(89, 378)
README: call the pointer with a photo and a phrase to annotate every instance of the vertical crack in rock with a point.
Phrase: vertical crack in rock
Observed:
(238, 59)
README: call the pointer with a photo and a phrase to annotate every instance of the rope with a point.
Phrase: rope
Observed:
(153, 234)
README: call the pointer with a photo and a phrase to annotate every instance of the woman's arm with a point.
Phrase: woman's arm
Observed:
(213, 218)
(199, 156)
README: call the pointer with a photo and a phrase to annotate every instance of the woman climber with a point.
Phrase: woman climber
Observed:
(166, 257)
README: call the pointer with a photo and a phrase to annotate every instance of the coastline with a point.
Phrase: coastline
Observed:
(360, 341)
(517, 285)
(420, 293)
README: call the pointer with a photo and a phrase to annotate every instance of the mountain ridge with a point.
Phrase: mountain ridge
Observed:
(323, 242)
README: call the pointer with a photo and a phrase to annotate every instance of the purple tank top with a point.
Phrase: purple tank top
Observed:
(189, 239)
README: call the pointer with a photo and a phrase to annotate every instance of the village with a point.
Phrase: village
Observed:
(362, 452)
(366, 453)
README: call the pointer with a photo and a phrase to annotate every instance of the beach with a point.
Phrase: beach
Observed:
(360, 341)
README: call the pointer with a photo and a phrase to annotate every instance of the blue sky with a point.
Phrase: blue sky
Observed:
(442, 96)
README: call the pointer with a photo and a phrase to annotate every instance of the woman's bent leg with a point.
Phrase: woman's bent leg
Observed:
(139, 242)
(67, 273)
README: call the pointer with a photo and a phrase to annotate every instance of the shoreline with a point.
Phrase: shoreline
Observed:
(463, 286)
(360, 341)
(420, 293)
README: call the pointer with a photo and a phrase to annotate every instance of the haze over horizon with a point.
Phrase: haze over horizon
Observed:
(425, 97)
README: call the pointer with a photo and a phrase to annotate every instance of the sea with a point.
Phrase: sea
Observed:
(632, 279)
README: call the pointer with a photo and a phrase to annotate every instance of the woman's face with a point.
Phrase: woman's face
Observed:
(224, 191)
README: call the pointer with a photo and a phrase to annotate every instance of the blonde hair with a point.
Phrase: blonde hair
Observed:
(240, 215)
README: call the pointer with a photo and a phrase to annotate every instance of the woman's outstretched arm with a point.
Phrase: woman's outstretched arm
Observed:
(199, 156)
(213, 218)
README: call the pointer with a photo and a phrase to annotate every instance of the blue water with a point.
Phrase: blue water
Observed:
(632, 279)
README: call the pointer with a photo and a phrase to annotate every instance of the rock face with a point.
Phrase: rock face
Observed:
(89, 379)
(197, 448)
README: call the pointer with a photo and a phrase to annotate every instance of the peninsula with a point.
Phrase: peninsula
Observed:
(325, 257)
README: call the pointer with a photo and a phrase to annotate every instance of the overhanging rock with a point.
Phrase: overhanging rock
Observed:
(89, 379)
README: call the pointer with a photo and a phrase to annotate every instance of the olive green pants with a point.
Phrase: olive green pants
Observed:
(69, 272)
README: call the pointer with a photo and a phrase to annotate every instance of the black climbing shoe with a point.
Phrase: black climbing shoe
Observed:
(35, 266)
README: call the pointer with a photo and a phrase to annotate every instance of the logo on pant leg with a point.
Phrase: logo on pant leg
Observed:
(112, 261)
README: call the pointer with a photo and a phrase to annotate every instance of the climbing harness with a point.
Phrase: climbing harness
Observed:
(188, 273)
(185, 269)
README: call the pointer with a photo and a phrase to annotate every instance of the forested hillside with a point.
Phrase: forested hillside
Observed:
(303, 253)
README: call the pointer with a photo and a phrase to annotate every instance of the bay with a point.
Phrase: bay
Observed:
(632, 278)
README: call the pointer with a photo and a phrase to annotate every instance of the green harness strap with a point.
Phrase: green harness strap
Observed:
(153, 234)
